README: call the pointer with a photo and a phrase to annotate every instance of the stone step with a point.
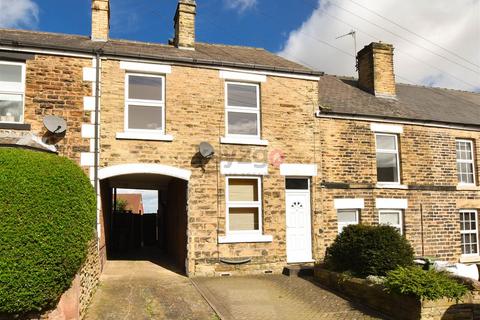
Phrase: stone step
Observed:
(298, 270)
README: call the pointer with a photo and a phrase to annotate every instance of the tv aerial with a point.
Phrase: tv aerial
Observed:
(352, 33)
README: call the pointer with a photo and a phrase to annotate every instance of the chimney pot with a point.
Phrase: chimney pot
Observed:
(100, 20)
(184, 23)
(375, 70)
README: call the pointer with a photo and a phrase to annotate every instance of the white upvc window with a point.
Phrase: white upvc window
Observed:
(469, 232)
(12, 92)
(346, 217)
(244, 205)
(242, 110)
(465, 162)
(392, 218)
(388, 158)
(144, 103)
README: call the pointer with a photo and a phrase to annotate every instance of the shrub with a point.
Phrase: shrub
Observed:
(369, 250)
(426, 285)
(47, 219)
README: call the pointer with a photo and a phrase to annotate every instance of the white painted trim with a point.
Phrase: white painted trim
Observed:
(244, 238)
(243, 168)
(143, 136)
(15, 88)
(87, 159)
(145, 67)
(467, 161)
(88, 131)
(349, 203)
(271, 73)
(298, 170)
(47, 52)
(89, 103)
(243, 141)
(389, 203)
(386, 128)
(89, 74)
(387, 185)
(242, 76)
(92, 118)
(146, 168)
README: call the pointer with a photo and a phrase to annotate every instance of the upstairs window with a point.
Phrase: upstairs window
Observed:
(469, 232)
(465, 162)
(244, 205)
(242, 110)
(145, 103)
(388, 163)
(12, 92)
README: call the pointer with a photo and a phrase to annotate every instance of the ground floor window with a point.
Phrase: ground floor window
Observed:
(469, 232)
(244, 205)
(346, 217)
(392, 218)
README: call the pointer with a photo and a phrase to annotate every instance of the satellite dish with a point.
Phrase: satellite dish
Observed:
(206, 150)
(55, 125)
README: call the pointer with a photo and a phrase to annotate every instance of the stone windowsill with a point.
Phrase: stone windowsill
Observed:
(469, 258)
(15, 126)
(243, 141)
(467, 187)
(144, 136)
(391, 186)
(244, 238)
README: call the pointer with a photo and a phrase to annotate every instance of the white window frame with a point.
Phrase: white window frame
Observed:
(8, 88)
(469, 232)
(400, 220)
(472, 161)
(242, 110)
(342, 225)
(144, 102)
(396, 151)
(244, 204)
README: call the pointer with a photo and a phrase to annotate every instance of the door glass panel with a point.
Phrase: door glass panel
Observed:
(296, 184)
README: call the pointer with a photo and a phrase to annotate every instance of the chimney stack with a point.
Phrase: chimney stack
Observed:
(185, 24)
(375, 70)
(100, 20)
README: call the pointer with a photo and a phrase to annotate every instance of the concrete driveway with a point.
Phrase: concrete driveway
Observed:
(276, 297)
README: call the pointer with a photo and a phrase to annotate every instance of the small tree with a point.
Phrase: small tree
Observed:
(121, 205)
(369, 250)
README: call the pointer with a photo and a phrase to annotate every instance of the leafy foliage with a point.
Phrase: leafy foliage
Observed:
(427, 285)
(368, 250)
(121, 205)
(47, 218)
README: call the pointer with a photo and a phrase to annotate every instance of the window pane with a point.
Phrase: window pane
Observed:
(144, 117)
(242, 123)
(242, 95)
(386, 142)
(390, 218)
(11, 108)
(387, 167)
(10, 73)
(146, 88)
(243, 219)
(296, 184)
(243, 190)
(347, 216)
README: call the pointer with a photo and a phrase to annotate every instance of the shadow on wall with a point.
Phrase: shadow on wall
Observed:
(462, 311)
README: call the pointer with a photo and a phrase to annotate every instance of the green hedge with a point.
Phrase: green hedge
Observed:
(368, 250)
(47, 219)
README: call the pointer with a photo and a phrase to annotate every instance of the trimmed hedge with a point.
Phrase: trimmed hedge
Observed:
(47, 218)
(368, 250)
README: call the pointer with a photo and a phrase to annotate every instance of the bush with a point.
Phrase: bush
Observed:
(47, 219)
(368, 250)
(426, 285)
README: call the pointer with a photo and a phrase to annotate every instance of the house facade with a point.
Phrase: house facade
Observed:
(297, 155)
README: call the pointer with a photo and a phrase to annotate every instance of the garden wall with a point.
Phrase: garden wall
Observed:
(398, 306)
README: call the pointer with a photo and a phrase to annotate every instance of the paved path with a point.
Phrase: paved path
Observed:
(144, 290)
(276, 297)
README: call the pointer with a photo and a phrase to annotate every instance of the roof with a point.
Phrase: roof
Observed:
(204, 54)
(134, 202)
(342, 96)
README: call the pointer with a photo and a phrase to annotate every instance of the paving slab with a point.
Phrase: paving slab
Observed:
(277, 297)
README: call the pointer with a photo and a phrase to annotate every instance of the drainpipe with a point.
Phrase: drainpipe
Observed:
(96, 139)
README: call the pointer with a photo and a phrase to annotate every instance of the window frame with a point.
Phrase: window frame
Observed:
(472, 161)
(469, 232)
(341, 225)
(243, 204)
(400, 220)
(396, 152)
(242, 110)
(144, 102)
(18, 89)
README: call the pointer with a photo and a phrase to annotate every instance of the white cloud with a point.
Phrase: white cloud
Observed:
(454, 25)
(241, 5)
(18, 14)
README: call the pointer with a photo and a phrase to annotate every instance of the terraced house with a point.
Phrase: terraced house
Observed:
(292, 157)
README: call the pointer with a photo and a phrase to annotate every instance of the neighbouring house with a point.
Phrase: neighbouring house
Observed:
(297, 154)
(133, 202)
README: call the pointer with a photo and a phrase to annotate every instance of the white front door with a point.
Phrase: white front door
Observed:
(299, 221)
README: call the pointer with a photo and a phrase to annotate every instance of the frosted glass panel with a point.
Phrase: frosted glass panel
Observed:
(243, 219)
(243, 190)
